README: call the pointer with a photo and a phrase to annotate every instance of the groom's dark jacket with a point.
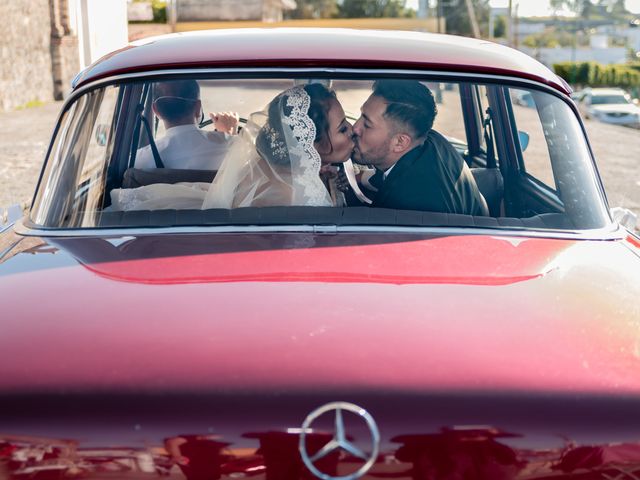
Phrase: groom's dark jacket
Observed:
(432, 177)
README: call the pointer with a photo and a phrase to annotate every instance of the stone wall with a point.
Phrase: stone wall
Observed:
(25, 54)
(65, 64)
(38, 54)
(65, 61)
(208, 10)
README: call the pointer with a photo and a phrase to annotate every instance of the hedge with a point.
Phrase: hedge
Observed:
(593, 74)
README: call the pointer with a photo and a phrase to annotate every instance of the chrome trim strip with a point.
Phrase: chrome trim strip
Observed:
(6, 251)
(9, 216)
(6, 227)
(613, 232)
(356, 72)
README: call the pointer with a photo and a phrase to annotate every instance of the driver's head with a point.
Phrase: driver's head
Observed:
(177, 101)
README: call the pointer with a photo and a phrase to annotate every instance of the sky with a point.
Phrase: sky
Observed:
(530, 8)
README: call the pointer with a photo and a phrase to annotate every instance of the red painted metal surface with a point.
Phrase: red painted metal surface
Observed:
(288, 47)
(479, 357)
(523, 315)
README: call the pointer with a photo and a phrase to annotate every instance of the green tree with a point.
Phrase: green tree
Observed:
(500, 27)
(619, 8)
(374, 9)
(457, 18)
(556, 6)
(541, 40)
(587, 8)
(314, 9)
(159, 8)
(613, 7)
(582, 8)
(551, 37)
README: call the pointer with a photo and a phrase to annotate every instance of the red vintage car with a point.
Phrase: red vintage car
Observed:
(162, 315)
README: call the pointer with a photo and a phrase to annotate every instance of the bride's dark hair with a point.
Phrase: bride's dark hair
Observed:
(321, 98)
(267, 140)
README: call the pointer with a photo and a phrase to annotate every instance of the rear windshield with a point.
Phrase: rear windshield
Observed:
(344, 151)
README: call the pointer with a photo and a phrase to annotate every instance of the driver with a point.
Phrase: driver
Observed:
(184, 145)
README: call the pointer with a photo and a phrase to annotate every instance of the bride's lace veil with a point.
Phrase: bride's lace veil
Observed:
(272, 162)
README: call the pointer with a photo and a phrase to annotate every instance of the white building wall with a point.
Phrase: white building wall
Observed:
(207, 10)
(606, 56)
(526, 29)
(73, 16)
(102, 28)
(214, 10)
(633, 37)
(599, 41)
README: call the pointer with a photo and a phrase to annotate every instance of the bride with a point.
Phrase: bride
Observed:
(282, 157)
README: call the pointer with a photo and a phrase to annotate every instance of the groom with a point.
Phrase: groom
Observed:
(416, 167)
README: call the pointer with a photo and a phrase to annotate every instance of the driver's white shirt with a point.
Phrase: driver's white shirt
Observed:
(188, 147)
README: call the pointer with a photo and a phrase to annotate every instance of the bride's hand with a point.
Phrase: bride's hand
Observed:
(225, 122)
(328, 171)
(342, 182)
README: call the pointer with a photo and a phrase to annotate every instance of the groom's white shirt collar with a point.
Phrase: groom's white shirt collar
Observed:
(388, 170)
(169, 132)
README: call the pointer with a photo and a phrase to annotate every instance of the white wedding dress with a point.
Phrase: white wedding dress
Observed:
(272, 162)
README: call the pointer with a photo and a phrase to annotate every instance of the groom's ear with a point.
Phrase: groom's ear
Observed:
(401, 142)
(197, 110)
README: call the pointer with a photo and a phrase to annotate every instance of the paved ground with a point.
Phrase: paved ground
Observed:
(25, 136)
(617, 151)
(139, 31)
(24, 139)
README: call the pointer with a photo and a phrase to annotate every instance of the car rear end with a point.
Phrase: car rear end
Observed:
(322, 342)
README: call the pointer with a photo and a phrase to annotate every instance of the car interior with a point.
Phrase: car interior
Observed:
(530, 160)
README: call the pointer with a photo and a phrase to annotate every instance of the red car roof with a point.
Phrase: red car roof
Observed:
(313, 47)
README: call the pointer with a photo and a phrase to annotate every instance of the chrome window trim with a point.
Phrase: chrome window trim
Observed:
(325, 71)
(364, 73)
(612, 232)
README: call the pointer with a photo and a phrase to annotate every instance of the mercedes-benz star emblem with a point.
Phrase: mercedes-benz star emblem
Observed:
(339, 442)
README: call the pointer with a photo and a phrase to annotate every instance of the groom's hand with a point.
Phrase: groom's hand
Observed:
(225, 122)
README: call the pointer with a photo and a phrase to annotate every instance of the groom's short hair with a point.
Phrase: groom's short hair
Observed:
(409, 103)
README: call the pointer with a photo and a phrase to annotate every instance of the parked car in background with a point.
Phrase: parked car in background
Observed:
(609, 105)
(524, 99)
(299, 342)
(577, 96)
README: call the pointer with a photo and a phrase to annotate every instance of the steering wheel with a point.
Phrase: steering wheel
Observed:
(205, 123)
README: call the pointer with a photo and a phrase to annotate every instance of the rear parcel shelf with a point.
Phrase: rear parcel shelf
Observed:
(339, 216)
